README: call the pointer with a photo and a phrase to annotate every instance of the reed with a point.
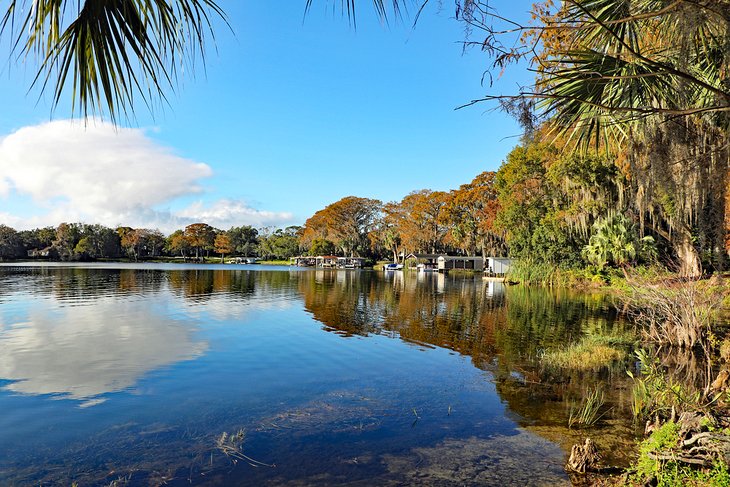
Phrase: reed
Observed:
(587, 414)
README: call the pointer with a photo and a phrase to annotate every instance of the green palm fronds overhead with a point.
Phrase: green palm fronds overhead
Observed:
(636, 58)
(107, 55)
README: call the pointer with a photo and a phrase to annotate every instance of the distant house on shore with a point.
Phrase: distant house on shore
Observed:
(46, 253)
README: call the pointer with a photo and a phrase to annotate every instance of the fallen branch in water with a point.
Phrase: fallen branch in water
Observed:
(232, 447)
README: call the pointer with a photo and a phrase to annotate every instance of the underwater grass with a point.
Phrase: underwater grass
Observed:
(593, 352)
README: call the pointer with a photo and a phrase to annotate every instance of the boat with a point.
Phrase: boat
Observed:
(392, 267)
(425, 268)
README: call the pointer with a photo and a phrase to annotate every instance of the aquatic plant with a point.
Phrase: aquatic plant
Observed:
(587, 414)
(592, 352)
(656, 392)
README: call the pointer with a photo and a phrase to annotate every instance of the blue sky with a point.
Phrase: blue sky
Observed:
(290, 115)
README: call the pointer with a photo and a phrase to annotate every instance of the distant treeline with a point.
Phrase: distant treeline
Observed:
(79, 242)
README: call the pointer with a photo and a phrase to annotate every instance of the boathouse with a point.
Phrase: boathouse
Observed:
(350, 262)
(329, 261)
(448, 262)
(304, 261)
(424, 261)
(498, 266)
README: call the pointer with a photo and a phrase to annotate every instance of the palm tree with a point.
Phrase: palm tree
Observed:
(650, 79)
(615, 241)
(630, 60)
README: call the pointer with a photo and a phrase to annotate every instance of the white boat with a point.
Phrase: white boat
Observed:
(393, 267)
(425, 268)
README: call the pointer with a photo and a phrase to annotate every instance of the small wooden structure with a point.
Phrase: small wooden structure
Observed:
(448, 262)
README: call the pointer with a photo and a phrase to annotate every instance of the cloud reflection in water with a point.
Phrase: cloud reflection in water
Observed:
(82, 352)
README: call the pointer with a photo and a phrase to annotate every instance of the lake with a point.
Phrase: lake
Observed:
(157, 374)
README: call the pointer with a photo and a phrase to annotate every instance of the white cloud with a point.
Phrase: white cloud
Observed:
(226, 213)
(104, 174)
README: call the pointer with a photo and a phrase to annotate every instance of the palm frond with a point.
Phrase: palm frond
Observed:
(109, 53)
(636, 58)
(384, 9)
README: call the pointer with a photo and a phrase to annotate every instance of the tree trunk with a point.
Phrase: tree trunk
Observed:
(681, 241)
(689, 259)
(583, 458)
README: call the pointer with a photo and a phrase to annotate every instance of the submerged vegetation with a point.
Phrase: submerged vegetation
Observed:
(591, 353)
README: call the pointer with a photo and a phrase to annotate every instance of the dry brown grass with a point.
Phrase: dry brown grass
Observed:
(678, 312)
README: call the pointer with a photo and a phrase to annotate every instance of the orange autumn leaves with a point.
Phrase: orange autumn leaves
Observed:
(423, 221)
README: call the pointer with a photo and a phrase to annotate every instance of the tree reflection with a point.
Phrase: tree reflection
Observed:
(502, 329)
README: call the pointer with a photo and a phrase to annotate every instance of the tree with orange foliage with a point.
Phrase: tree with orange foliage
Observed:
(222, 245)
(200, 236)
(347, 223)
(470, 213)
(420, 218)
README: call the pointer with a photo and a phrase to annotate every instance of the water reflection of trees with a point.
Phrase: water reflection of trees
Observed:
(466, 315)
(502, 330)
(497, 327)
(201, 285)
(80, 284)
(85, 284)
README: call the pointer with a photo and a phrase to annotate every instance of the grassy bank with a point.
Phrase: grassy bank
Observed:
(546, 274)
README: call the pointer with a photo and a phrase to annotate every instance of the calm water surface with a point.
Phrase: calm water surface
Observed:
(132, 373)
